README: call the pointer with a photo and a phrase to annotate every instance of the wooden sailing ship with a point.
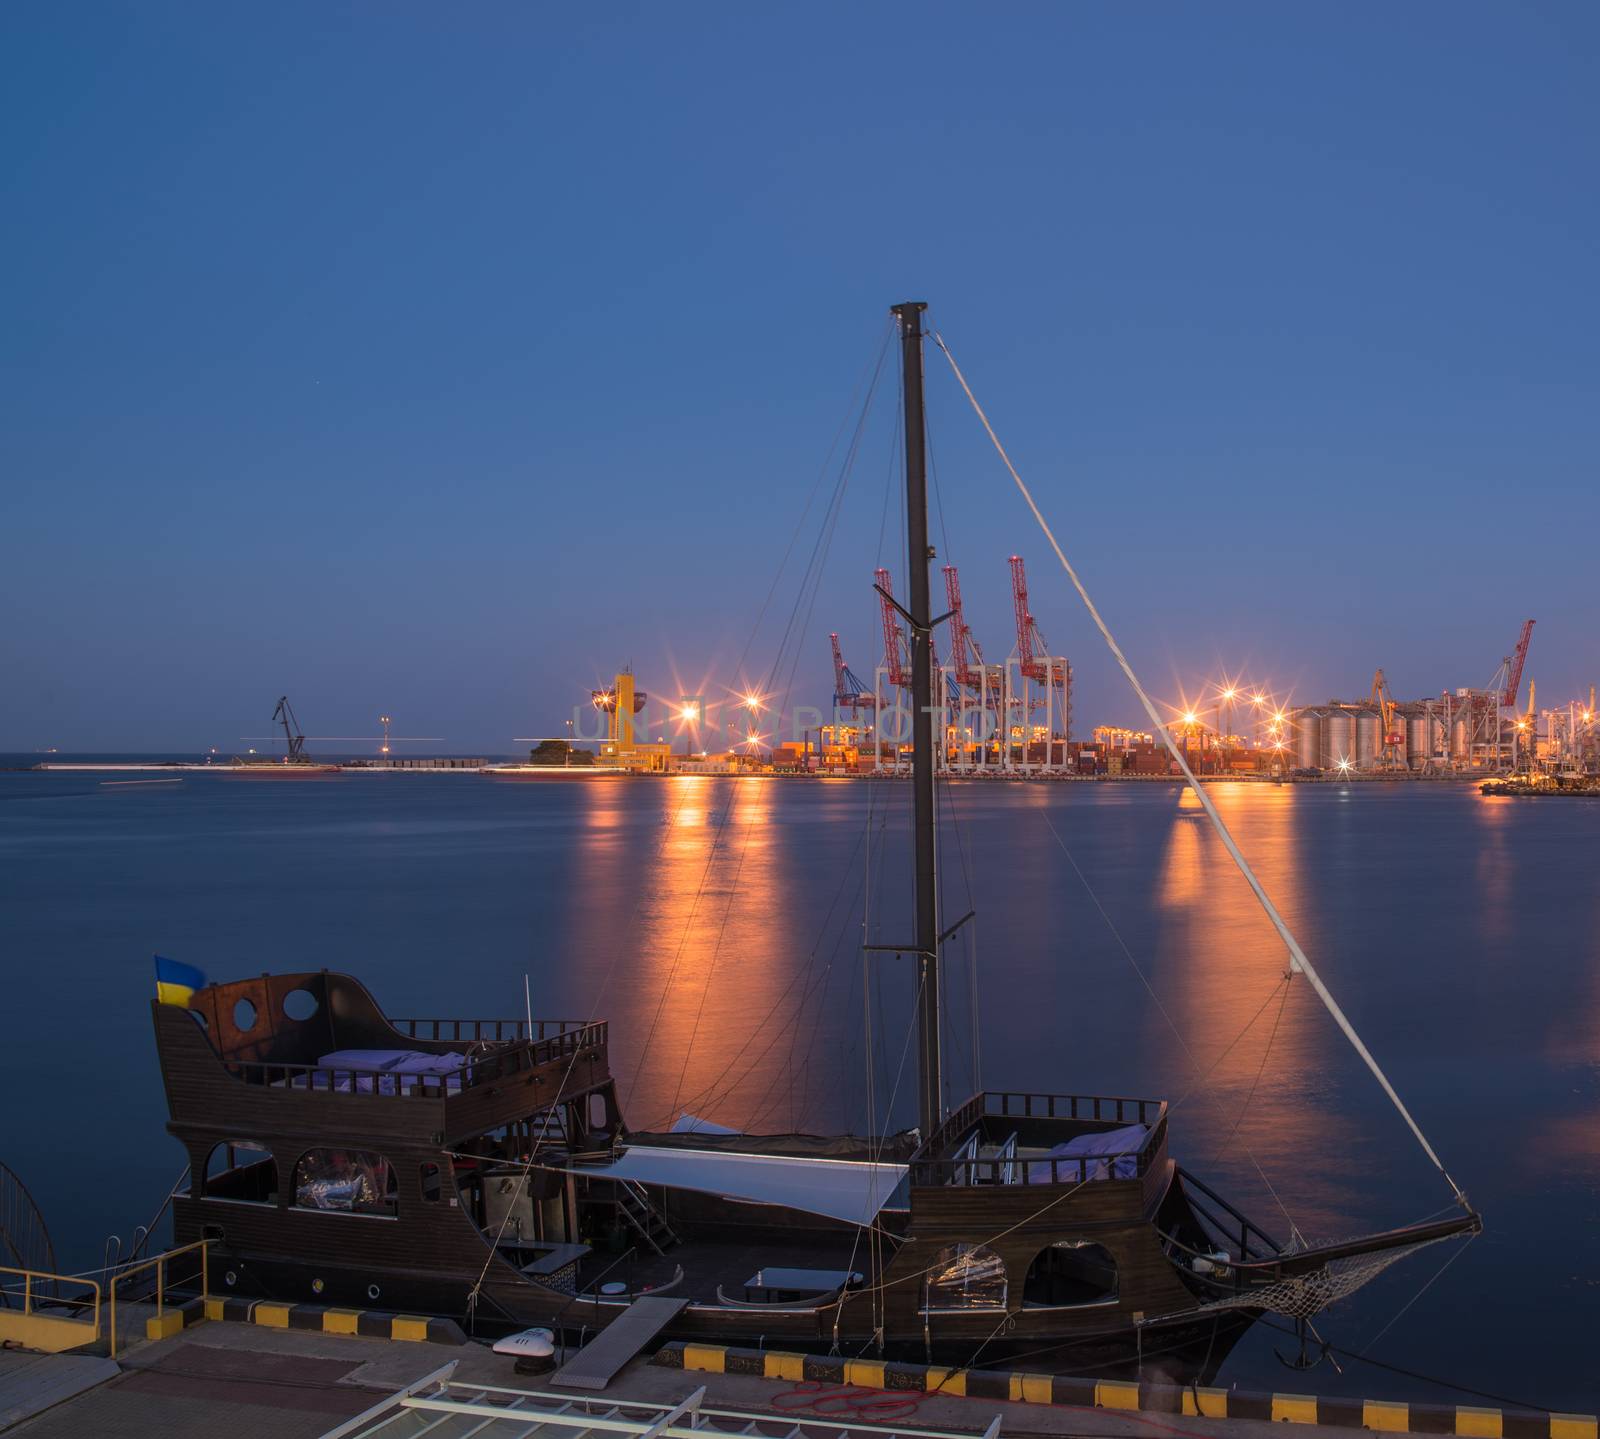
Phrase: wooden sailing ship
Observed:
(483, 1169)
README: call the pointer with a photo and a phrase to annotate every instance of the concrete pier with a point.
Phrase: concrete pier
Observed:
(252, 1381)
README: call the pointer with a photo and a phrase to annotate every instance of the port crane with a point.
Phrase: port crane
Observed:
(963, 646)
(1392, 753)
(848, 691)
(894, 649)
(1512, 666)
(292, 733)
(1032, 651)
(969, 673)
(1035, 663)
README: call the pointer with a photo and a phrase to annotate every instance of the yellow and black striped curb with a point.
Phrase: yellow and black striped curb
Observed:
(325, 1319)
(174, 1319)
(1195, 1402)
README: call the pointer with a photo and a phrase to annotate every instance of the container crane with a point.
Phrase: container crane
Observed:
(292, 733)
(848, 691)
(894, 650)
(982, 683)
(1032, 652)
(961, 639)
(1035, 663)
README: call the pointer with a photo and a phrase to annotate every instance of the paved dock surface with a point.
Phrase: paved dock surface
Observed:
(242, 1381)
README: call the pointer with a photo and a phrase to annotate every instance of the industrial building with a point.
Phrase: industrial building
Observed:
(621, 704)
(1465, 731)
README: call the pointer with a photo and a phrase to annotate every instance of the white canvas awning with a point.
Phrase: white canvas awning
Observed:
(847, 1189)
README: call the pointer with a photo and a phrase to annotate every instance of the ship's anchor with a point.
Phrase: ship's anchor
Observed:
(1305, 1359)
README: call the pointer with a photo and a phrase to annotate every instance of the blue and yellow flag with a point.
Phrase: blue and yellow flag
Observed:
(176, 982)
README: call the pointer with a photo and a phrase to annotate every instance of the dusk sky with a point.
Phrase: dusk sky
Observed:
(436, 360)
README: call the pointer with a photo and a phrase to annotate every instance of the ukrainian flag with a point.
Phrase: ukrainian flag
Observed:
(175, 982)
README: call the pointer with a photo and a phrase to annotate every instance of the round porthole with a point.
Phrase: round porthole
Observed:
(230, 1279)
(244, 1015)
(373, 1291)
(316, 1286)
(299, 1004)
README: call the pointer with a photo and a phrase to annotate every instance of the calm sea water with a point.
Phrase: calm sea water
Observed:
(717, 923)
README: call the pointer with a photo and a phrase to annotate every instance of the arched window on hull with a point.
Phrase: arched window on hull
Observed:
(1070, 1272)
(346, 1181)
(242, 1171)
(966, 1276)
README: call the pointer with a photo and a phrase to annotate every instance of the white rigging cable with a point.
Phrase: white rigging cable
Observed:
(1298, 963)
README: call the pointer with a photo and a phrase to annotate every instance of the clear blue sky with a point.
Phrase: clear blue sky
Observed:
(437, 360)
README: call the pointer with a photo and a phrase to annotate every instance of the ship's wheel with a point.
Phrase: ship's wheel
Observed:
(24, 1241)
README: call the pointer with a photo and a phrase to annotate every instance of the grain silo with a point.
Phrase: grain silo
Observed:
(1369, 738)
(1307, 738)
(1338, 739)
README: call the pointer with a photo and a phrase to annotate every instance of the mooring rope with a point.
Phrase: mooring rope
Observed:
(1298, 963)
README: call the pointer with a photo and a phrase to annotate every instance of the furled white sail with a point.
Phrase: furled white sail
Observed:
(852, 1190)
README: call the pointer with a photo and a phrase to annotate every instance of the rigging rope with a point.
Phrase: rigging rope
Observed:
(1298, 963)
(1202, 1076)
(1405, 1308)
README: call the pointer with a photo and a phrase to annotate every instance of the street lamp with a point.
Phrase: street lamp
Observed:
(1226, 696)
(688, 721)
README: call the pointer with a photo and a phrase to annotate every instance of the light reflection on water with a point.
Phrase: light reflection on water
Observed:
(720, 920)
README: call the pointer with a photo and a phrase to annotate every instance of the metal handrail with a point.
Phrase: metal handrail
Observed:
(478, 1029)
(1072, 1170)
(159, 1264)
(1247, 1226)
(526, 1054)
(28, 1276)
(1021, 1104)
(1101, 1107)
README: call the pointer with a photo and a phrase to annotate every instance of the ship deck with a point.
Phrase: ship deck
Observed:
(709, 1264)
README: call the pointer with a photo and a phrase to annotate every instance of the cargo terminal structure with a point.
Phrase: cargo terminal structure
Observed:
(1461, 731)
(1012, 718)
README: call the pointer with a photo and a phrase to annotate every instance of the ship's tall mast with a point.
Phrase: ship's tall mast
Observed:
(929, 1069)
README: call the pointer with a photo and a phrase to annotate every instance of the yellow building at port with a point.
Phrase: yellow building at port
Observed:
(621, 746)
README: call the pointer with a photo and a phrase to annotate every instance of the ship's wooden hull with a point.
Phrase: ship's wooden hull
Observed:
(1088, 1265)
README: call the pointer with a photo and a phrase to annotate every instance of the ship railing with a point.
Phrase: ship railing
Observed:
(1237, 1230)
(518, 1058)
(1014, 1104)
(963, 1167)
(501, 1031)
(1026, 1170)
